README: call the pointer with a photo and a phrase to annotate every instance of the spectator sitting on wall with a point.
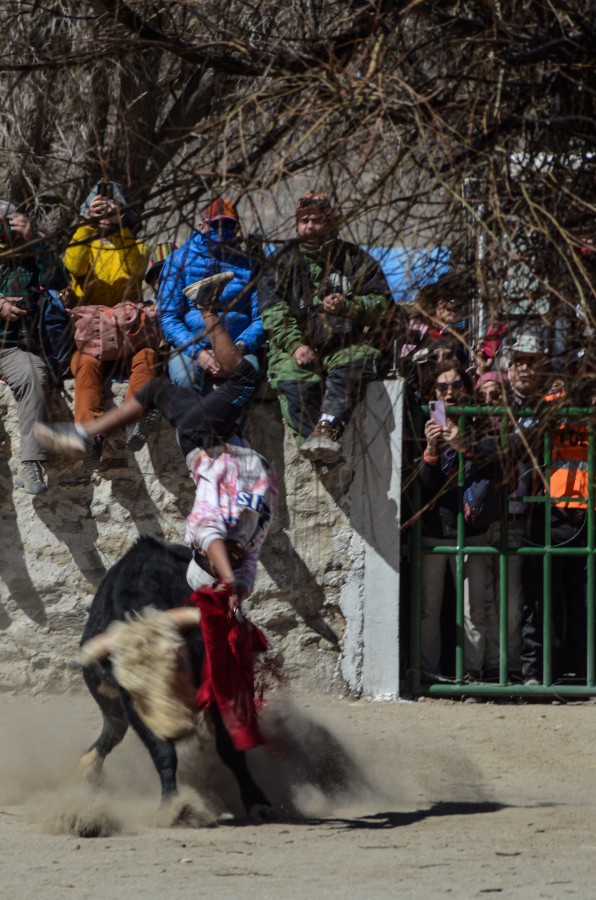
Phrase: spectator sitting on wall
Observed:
(107, 264)
(214, 247)
(320, 296)
(158, 256)
(26, 265)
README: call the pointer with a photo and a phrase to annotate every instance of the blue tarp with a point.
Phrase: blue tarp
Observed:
(407, 269)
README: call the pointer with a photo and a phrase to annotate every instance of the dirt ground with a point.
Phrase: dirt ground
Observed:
(417, 800)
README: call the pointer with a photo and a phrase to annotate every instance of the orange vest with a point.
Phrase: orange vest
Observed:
(569, 469)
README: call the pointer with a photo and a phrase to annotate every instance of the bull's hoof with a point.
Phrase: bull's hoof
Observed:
(90, 824)
(262, 812)
(182, 812)
(90, 768)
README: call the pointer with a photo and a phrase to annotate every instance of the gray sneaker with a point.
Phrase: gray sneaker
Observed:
(205, 293)
(30, 478)
(323, 444)
(65, 439)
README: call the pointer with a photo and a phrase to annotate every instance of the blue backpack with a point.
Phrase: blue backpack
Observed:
(55, 334)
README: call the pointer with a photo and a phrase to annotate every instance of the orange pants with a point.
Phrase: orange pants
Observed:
(90, 375)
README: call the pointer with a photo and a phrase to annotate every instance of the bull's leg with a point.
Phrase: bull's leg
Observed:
(253, 798)
(114, 727)
(163, 753)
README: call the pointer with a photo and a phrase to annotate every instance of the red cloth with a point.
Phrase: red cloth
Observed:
(227, 678)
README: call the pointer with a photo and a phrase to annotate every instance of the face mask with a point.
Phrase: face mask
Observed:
(222, 232)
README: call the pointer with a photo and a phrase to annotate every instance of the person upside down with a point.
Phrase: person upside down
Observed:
(235, 499)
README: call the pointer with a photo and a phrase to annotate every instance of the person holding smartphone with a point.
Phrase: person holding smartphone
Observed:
(28, 264)
(107, 264)
(441, 502)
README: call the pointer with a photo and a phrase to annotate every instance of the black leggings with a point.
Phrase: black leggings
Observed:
(202, 421)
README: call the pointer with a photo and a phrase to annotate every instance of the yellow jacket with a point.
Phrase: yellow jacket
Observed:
(106, 270)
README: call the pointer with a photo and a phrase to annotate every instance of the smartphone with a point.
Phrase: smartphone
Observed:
(437, 412)
(106, 189)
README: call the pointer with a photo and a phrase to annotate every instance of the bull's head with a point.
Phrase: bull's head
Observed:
(150, 661)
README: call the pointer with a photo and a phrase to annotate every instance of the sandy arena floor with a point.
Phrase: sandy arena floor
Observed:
(416, 800)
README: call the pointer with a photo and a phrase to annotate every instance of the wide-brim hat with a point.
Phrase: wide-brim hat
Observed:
(528, 344)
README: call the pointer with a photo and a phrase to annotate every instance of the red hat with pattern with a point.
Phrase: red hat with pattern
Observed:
(220, 209)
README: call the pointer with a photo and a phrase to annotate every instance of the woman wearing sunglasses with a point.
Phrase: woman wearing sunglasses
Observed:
(441, 502)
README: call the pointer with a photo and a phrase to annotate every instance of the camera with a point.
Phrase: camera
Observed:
(24, 304)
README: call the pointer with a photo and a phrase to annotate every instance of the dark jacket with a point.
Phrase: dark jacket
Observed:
(294, 282)
(25, 273)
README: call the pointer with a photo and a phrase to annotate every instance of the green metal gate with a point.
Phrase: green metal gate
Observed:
(458, 686)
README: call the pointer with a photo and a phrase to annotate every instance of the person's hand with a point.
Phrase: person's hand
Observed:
(452, 435)
(102, 208)
(207, 361)
(304, 356)
(433, 434)
(21, 225)
(9, 311)
(333, 303)
(234, 600)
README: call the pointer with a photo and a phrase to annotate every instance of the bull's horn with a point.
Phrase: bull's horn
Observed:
(95, 649)
(185, 616)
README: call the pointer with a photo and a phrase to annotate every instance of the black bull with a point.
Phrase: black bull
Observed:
(151, 573)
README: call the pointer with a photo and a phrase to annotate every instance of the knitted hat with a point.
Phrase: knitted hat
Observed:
(159, 254)
(7, 209)
(220, 209)
(497, 377)
(312, 203)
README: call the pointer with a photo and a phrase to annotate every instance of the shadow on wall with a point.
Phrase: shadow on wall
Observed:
(279, 557)
(20, 590)
(361, 485)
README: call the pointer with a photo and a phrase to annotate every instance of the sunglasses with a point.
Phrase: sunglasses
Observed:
(318, 202)
(491, 395)
(444, 386)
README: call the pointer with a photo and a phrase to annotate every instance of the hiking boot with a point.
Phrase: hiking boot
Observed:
(65, 439)
(137, 433)
(205, 293)
(135, 437)
(30, 478)
(323, 443)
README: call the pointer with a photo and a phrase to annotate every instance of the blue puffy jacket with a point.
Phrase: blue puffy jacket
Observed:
(181, 323)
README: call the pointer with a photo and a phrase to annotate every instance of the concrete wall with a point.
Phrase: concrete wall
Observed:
(327, 591)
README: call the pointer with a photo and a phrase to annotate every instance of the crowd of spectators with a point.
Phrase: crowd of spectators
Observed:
(315, 318)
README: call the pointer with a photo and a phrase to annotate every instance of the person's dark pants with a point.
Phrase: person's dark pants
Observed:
(336, 396)
(202, 421)
(568, 598)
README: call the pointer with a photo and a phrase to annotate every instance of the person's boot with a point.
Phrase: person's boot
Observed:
(205, 293)
(323, 444)
(30, 478)
(137, 433)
